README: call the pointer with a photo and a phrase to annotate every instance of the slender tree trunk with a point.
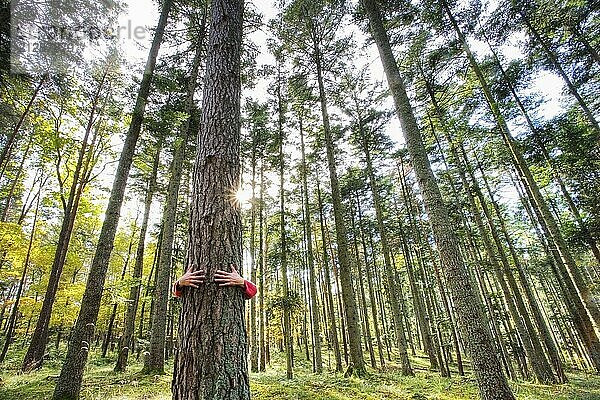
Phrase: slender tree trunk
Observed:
(555, 173)
(581, 296)
(315, 321)
(134, 291)
(372, 298)
(261, 271)
(37, 347)
(211, 321)
(69, 382)
(333, 338)
(11, 192)
(488, 370)
(363, 299)
(533, 303)
(287, 324)
(12, 320)
(391, 282)
(348, 296)
(7, 149)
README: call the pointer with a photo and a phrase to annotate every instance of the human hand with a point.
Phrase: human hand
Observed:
(224, 278)
(190, 278)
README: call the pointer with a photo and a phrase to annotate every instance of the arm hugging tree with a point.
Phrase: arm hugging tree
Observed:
(211, 362)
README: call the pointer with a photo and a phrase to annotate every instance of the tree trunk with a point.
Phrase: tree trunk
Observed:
(315, 320)
(211, 359)
(554, 61)
(134, 291)
(261, 272)
(69, 382)
(391, 283)
(580, 293)
(488, 370)
(7, 149)
(348, 296)
(287, 324)
(37, 347)
(333, 338)
(12, 320)
(372, 298)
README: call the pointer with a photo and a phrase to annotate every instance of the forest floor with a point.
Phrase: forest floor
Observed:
(101, 383)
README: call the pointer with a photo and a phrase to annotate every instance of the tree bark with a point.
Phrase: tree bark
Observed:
(211, 359)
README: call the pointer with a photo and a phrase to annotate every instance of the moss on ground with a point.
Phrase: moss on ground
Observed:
(101, 383)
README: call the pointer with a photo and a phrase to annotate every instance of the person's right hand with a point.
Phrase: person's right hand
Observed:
(192, 279)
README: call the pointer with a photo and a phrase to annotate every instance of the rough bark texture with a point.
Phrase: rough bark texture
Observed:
(488, 370)
(68, 385)
(211, 359)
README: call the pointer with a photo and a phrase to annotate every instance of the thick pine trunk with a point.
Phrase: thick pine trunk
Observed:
(68, 385)
(488, 370)
(211, 359)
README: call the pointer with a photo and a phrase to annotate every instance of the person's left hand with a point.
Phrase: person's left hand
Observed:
(224, 278)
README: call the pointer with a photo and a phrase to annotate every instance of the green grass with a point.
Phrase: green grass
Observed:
(101, 383)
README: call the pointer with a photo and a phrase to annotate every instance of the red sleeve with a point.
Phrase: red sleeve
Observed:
(176, 290)
(249, 289)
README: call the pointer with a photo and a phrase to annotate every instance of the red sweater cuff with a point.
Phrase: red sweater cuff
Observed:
(249, 289)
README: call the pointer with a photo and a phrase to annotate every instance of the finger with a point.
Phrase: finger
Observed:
(196, 281)
(233, 268)
(198, 273)
(189, 270)
(228, 283)
(222, 274)
(193, 285)
(221, 279)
